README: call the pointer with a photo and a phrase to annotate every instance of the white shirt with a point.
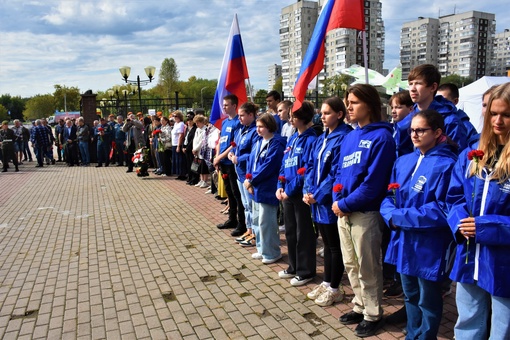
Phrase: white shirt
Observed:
(176, 131)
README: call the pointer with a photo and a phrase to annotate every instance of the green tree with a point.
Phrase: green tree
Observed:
(278, 85)
(260, 97)
(40, 106)
(168, 77)
(3, 113)
(67, 98)
(335, 85)
(457, 80)
(14, 105)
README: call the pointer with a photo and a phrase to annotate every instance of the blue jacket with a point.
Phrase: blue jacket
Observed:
(321, 170)
(454, 127)
(245, 139)
(228, 130)
(491, 246)
(470, 129)
(119, 134)
(366, 158)
(263, 165)
(422, 244)
(296, 156)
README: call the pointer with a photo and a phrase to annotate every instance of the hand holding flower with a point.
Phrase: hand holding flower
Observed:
(467, 227)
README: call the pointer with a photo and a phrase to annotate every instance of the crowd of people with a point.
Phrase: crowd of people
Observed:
(426, 194)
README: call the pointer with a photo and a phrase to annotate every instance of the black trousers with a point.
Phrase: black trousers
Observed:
(333, 262)
(192, 176)
(119, 154)
(236, 212)
(301, 237)
(8, 154)
(166, 161)
(71, 153)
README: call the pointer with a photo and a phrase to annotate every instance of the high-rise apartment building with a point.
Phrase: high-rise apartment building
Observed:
(457, 44)
(501, 59)
(343, 46)
(274, 73)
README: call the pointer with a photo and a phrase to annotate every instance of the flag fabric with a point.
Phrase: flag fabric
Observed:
(232, 75)
(334, 14)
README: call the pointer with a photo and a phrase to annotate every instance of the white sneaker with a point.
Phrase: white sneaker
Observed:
(269, 261)
(329, 297)
(299, 281)
(316, 292)
(284, 275)
(281, 228)
(204, 185)
(199, 183)
(208, 191)
(321, 252)
(256, 256)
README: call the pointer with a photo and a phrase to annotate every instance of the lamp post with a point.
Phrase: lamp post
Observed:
(202, 97)
(149, 70)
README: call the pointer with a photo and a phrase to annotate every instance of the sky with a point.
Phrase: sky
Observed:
(83, 43)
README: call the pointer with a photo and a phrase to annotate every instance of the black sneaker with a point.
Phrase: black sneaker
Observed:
(368, 328)
(228, 225)
(351, 318)
(397, 318)
(395, 290)
(238, 231)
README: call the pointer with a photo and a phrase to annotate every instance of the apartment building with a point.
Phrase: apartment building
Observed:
(343, 46)
(458, 44)
(274, 73)
(501, 59)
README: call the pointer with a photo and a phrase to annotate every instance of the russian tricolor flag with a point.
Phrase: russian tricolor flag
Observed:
(232, 75)
(334, 14)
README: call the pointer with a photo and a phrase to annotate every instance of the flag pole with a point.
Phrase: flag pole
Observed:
(365, 55)
(250, 92)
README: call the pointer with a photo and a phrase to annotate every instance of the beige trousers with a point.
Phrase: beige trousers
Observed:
(360, 239)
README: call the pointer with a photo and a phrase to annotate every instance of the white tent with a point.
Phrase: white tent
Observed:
(470, 98)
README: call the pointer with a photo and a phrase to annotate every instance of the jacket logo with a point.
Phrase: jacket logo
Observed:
(326, 156)
(506, 187)
(354, 158)
(365, 144)
(290, 162)
(228, 129)
(418, 186)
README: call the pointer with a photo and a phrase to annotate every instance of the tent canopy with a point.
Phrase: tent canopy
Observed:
(470, 98)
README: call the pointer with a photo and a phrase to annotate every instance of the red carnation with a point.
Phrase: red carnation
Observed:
(233, 144)
(155, 132)
(301, 171)
(393, 186)
(477, 155)
(224, 176)
(281, 179)
(338, 188)
(100, 129)
(249, 177)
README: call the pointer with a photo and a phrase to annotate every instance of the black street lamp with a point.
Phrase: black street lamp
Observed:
(149, 70)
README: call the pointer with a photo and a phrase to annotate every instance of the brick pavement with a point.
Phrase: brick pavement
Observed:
(90, 253)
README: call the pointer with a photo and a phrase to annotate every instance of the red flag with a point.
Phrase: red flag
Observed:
(335, 14)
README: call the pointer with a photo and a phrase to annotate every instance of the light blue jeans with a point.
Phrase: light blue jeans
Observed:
(474, 307)
(265, 227)
(247, 199)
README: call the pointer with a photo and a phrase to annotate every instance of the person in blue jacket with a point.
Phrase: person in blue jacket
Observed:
(423, 83)
(479, 217)
(244, 140)
(364, 168)
(299, 230)
(260, 180)
(318, 193)
(421, 243)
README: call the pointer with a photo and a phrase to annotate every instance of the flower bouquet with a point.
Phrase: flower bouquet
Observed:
(140, 161)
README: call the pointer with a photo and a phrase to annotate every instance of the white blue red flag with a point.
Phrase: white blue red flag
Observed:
(334, 14)
(232, 75)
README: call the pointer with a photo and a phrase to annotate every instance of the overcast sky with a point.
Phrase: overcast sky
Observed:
(83, 43)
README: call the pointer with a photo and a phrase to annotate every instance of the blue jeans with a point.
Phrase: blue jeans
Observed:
(474, 307)
(247, 203)
(424, 306)
(84, 152)
(265, 227)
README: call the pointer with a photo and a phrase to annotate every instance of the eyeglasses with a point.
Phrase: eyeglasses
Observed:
(419, 132)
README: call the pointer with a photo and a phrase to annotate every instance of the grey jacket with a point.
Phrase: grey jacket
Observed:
(134, 133)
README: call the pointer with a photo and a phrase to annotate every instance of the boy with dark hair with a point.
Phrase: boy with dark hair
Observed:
(450, 92)
(273, 98)
(423, 84)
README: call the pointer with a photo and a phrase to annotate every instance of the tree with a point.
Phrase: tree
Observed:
(67, 98)
(335, 85)
(260, 97)
(40, 106)
(3, 113)
(278, 85)
(457, 80)
(168, 77)
(14, 105)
